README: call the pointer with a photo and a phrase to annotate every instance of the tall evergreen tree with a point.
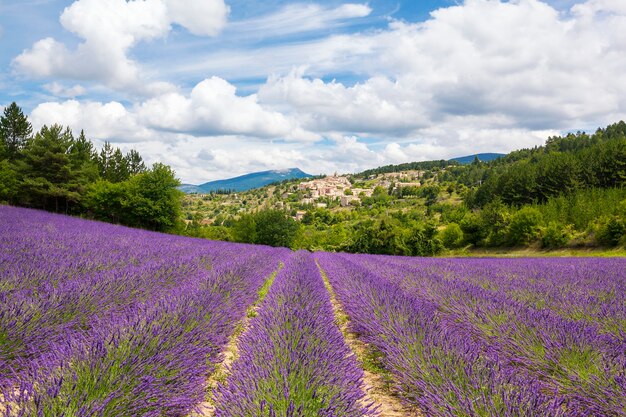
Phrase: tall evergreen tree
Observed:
(119, 167)
(84, 164)
(135, 163)
(82, 150)
(46, 170)
(15, 130)
(105, 160)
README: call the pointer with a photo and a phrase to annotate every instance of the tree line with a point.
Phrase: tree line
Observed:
(562, 166)
(51, 169)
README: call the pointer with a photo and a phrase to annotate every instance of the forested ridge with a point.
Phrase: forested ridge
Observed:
(562, 166)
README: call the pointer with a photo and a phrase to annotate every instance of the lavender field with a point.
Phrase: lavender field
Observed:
(102, 320)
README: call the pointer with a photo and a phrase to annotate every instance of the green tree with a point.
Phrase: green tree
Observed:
(83, 162)
(474, 231)
(517, 185)
(381, 237)
(275, 228)
(452, 236)
(3, 151)
(524, 226)
(48, 180)
(610, 164)
(8, 182)
(149, 200)
(134, 162)
(105, 161)
(244, 229)
(106, 201)
(15, 130)
(430, 193)
(423, 241)
(495, 218)
(611, 231)
(557, 173)
(154, 202)
(555, 235)
(380, 197)
(119, 170)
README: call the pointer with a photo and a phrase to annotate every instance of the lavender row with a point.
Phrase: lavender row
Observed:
(114, 321)
(437, 363)
(581, 357)
(589, 290)
(35, 315)
(293, 360)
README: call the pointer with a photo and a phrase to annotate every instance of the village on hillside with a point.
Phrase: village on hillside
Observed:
(297, 197)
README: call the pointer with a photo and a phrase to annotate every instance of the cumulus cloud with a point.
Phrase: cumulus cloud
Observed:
(110, 28)
(375, 106)
(522, 59)
(212, 108)
(101, 120)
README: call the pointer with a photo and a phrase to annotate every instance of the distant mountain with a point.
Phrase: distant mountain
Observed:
(190, 189)
(246, 182)
(483, 157)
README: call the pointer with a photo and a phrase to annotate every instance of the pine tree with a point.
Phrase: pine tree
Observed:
(15, 130)
(119, 167)
(105, 160)
(135, 163)
(47, 171)
(84, 162)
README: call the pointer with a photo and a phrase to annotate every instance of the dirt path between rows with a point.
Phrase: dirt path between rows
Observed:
(231, 351)
(375, 387)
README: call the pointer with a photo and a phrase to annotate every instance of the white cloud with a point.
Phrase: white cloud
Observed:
(110, 28)
(200, 17)
(60, 90)
(103, 121)
(521, 61)
(212, 108)
(378, 105)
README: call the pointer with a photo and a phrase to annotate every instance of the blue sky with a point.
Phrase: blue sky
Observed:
(219, 88)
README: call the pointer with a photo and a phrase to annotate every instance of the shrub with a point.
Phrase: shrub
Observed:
(555, 235)
(524, 226)
(611, 231)
(423, 241)
(452, 236)
(473, 229)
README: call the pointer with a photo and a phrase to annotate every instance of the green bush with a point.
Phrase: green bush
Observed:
(452, 236)
(555, 235)
(8, 181)
(524, 226)
(611, 231)
(473, 229)
(423, 241)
